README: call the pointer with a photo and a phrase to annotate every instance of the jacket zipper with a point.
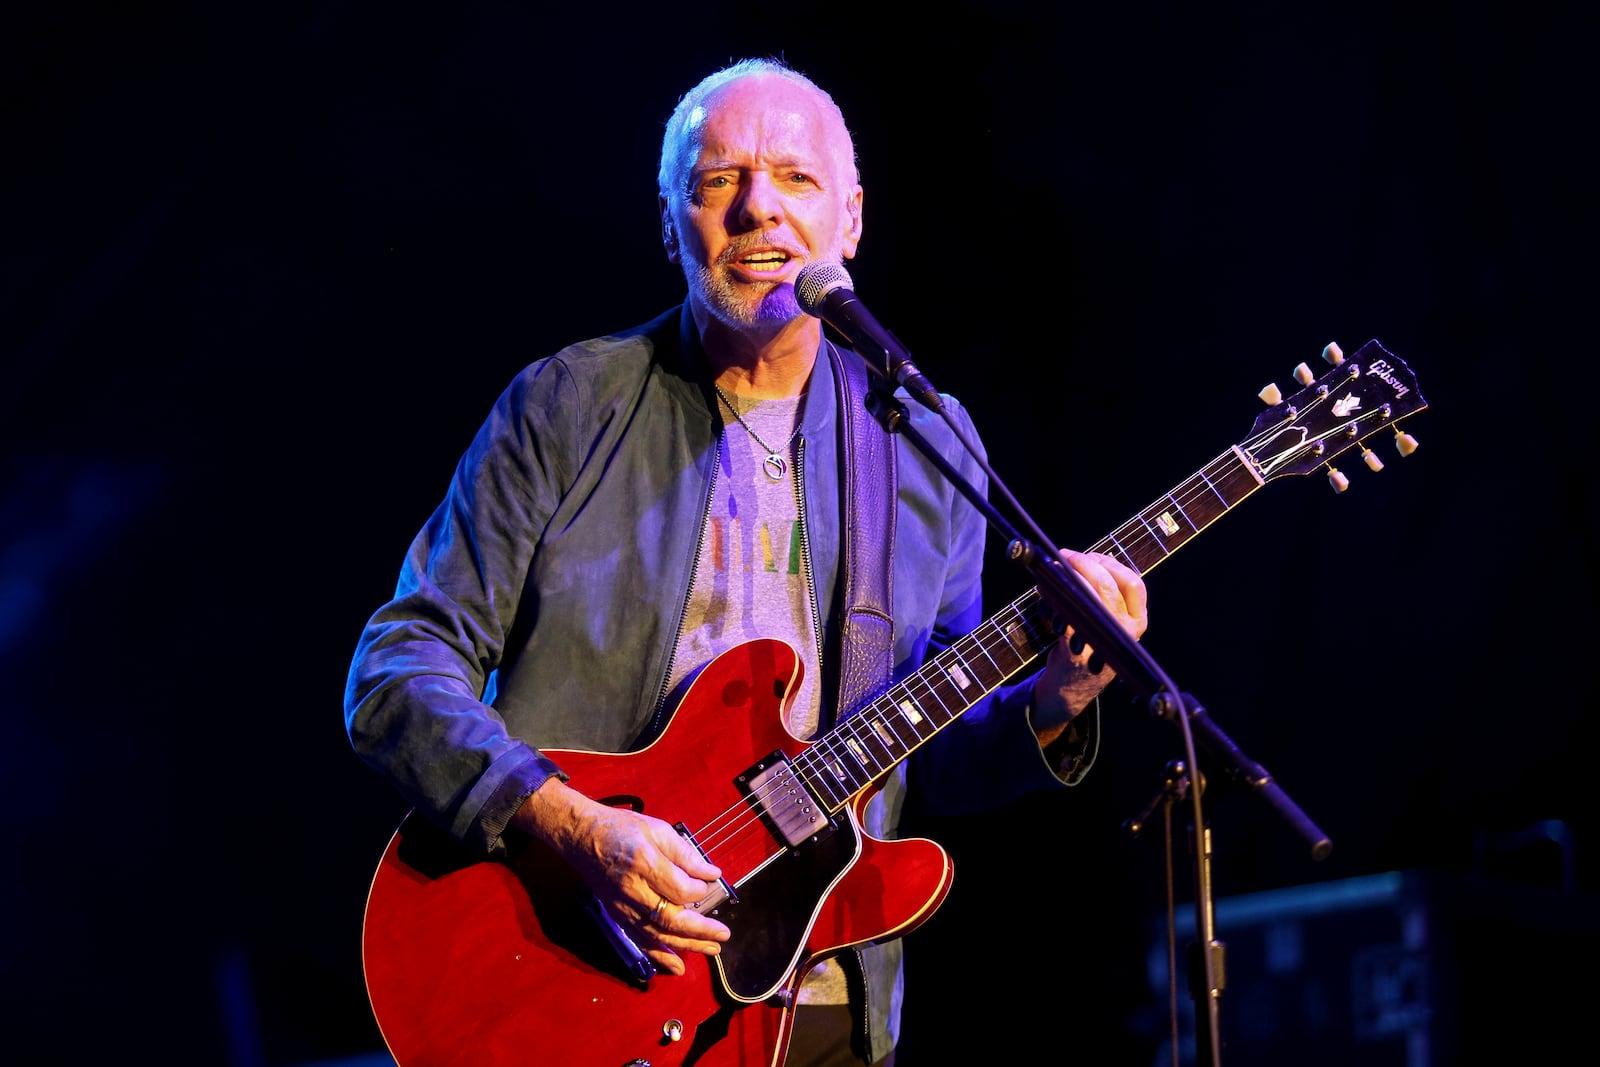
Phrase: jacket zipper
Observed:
(656, 723)
(805, 556)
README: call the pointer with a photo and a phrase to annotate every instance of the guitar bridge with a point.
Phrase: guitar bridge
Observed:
(778, 795)
(721, 892)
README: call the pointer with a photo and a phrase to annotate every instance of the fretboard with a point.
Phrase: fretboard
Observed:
(888, 728)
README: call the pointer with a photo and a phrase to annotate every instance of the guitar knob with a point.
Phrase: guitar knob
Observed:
(1333, 353)
(1371, 459)
(1337, 479)
(1303, 375)
(1404, 443)
(1270, 395)
(672, 1029)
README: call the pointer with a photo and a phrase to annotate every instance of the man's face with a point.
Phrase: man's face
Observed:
(769, 187)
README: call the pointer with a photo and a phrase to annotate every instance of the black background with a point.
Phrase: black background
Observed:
(265, 267)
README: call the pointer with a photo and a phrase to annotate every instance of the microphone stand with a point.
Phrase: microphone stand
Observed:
(1075, 602)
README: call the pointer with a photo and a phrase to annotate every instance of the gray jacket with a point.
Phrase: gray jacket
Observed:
(551, 579)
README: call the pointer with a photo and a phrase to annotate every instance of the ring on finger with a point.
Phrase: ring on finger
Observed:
(655, 915)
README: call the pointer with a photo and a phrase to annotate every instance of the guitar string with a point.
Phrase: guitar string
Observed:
(832, 744)
(1135, 533)
(806, 762)
(811, 765)
(863, 726)
(1130, 541)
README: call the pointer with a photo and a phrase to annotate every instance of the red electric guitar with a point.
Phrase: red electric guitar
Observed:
(499, 963)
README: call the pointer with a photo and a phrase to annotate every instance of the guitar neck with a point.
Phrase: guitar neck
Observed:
(889, 728)
(1172, 520)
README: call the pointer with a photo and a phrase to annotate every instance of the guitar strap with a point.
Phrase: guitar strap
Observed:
(867, 517)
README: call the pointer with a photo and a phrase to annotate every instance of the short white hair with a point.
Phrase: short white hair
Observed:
(669, 179)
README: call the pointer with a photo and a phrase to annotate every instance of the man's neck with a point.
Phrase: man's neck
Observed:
(761, 362)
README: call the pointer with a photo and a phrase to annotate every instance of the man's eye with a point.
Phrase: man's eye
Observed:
(801, 179)
(719, 181)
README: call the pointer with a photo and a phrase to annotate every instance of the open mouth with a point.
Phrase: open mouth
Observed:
(765, 262)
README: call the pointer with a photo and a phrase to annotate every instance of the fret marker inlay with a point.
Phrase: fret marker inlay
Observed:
(1019, 638)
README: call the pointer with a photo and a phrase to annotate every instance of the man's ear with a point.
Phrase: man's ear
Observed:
(852, 233)
(669, 231)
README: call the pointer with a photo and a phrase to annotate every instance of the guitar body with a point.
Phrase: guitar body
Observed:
(484, 962)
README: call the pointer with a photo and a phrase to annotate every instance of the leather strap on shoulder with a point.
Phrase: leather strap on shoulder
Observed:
(867, 552)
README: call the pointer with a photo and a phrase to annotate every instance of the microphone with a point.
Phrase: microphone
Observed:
(823, 290)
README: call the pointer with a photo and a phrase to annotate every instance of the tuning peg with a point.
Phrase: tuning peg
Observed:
(1404, 443)
(1336, 479)
(1370, 458)
(1333, 353)
(1270, 395)
(1303, 375)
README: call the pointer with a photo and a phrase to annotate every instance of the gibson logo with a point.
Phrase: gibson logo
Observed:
(1384, 370)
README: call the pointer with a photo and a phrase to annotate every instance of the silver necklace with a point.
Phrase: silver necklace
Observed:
(774, 465)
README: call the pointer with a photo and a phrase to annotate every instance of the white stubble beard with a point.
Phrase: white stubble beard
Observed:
(731, 302)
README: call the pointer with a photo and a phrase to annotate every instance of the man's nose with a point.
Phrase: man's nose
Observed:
(762, 204)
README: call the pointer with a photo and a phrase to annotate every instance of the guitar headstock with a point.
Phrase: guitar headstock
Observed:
(1359, 396)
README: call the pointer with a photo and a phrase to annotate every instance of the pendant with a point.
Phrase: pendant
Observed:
(775, 466)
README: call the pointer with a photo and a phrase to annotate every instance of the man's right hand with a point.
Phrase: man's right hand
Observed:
(637, 866)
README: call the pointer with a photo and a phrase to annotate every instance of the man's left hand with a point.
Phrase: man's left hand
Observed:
(1068, 683)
